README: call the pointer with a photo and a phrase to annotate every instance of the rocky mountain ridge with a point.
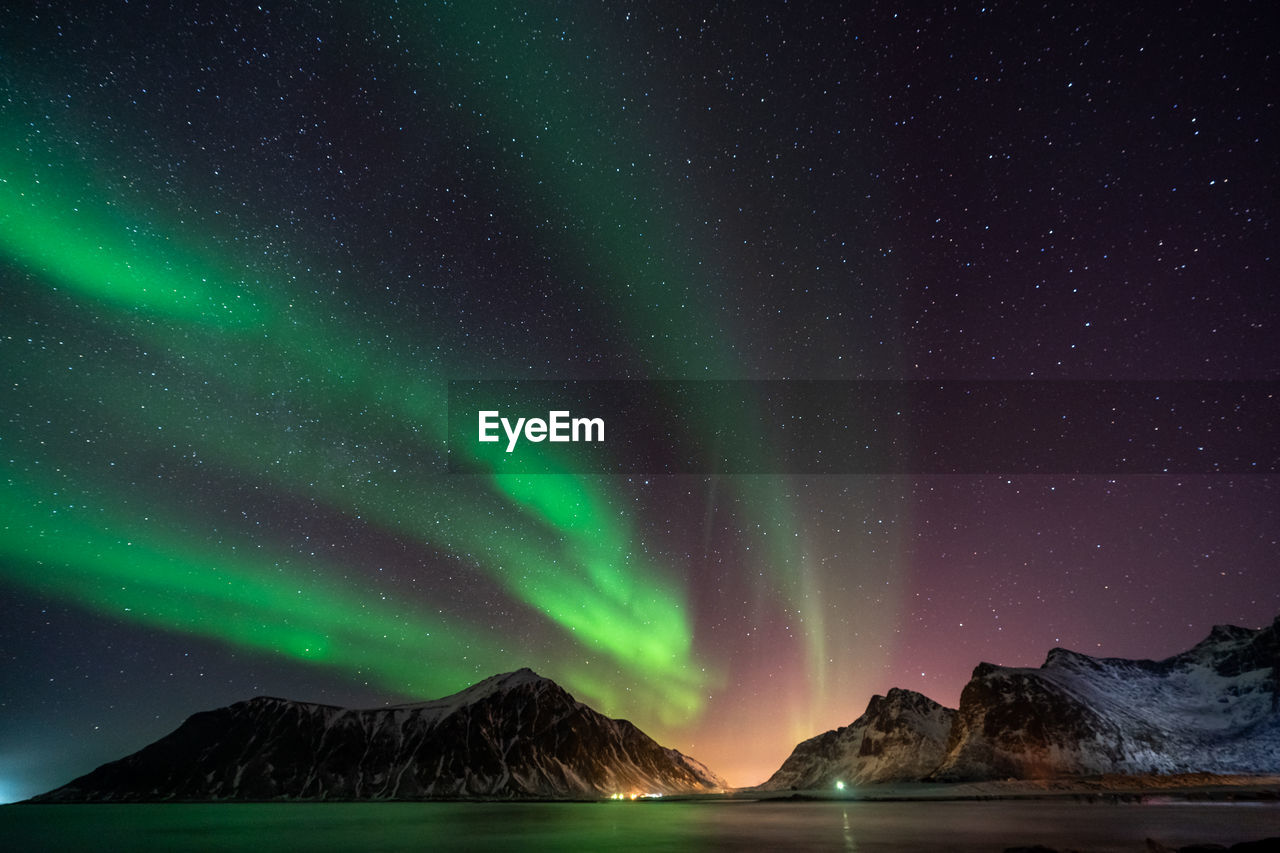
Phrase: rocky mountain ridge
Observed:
(901, 737)
(510, 736)
(1214, 708)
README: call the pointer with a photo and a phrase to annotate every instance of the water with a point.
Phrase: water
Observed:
(711, 825)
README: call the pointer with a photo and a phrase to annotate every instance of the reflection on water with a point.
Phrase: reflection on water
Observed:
(710, 825)
(849, 843)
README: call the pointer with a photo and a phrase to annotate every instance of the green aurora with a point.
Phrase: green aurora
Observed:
(238, 351)
(561, 549)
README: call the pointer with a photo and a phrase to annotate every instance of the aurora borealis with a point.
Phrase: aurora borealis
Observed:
(243, 250)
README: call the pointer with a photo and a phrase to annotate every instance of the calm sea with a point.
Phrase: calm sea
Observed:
(647, 826)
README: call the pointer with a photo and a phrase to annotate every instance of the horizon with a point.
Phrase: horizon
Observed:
(496, 677)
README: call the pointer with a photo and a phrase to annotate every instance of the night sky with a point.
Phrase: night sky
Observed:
(242, 251)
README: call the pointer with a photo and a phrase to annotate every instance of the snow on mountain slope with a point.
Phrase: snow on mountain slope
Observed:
(900, 737)
(1214, 708)
(512, 735)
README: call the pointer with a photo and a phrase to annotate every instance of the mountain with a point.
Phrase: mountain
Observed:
(901, 737)
(1214, 708)
(512, 735)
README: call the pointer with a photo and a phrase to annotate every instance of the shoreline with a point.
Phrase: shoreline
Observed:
(1189, 787)
(1114, 788)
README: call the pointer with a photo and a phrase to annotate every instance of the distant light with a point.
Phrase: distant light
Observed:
(839, 786)
(635, 796)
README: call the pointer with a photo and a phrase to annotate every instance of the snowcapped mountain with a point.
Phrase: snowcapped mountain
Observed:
(901, 737)
(512, 735)
(1214, 708)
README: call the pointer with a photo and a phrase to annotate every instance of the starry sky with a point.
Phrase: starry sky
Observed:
(245, 247)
